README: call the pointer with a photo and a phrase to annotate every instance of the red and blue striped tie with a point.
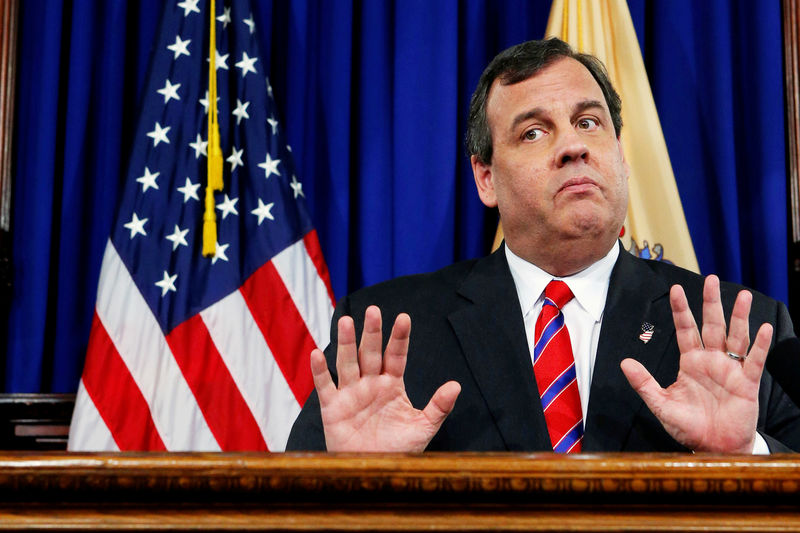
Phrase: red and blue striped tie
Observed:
(554, 368)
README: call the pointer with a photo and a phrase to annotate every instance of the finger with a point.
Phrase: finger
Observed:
(346, 358)
(369, 352)
(322, 378)
(644, 384)
(754, 364)
(442, 403)
(394, 361)
(739, 329)
(714, 329)
(685, 327)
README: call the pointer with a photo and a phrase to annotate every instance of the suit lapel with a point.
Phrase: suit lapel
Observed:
(636, 296)
(492, 336)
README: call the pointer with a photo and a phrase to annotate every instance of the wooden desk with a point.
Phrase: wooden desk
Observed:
(443, 492)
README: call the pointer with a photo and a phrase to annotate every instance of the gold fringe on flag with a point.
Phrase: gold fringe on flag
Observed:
(214, 150)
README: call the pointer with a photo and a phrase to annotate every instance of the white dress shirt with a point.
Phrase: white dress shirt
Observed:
(583, 315)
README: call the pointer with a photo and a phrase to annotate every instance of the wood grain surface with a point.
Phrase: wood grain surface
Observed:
(440, 492)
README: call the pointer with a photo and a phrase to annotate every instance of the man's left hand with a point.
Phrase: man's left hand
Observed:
(713, 404)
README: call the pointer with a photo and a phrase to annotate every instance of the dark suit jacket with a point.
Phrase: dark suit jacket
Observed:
(467, 326)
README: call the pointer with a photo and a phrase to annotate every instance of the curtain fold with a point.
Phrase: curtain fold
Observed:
(717, 77)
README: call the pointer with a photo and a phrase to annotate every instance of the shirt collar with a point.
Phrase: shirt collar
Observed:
(590, 285)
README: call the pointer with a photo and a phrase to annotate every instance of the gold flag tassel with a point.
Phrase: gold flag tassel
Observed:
(214, 150)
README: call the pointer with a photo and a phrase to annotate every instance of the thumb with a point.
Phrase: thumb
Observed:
(643, 383)
(442, 403)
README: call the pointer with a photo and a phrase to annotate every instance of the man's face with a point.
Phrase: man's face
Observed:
(558, 175)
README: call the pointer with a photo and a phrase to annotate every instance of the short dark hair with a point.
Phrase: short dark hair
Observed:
(520, 63)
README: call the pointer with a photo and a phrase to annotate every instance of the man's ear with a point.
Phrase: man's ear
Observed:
(484, 181)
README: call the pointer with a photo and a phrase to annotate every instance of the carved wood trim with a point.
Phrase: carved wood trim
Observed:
(8, 62)
(791, 41)
(676, 477)
(447, 492)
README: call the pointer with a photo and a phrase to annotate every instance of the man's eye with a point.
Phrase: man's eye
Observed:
(533, 134)
(588, 124)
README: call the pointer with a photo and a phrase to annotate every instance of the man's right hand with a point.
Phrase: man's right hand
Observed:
(370, 411)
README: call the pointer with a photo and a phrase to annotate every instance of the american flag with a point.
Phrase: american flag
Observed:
(204, 353)
(647, 332)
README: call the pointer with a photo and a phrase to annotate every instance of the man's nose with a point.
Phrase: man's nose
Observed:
(570, 148)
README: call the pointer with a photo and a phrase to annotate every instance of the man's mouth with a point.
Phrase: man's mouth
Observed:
(578, 185)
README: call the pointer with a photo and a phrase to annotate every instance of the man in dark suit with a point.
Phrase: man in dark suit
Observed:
(544, 137)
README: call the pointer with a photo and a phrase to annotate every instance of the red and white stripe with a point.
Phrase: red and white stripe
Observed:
(232, 377)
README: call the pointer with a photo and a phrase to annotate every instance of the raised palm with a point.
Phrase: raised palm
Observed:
(713, 404)
(369, 411)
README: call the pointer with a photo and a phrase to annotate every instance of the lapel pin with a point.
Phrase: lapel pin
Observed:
(647, 332)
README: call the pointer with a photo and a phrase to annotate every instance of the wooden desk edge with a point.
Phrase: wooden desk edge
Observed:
(390, 492)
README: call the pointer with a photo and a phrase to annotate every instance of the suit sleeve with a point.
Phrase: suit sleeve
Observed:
(779, 417)
(307, 432)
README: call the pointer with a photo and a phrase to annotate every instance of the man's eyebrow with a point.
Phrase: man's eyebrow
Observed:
(580, 107)
(536, 112)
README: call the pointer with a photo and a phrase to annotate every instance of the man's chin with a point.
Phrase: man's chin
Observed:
(593, 234)
(586, 224)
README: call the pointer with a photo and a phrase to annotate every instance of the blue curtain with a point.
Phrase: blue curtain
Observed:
(716, 69)
(373, 96)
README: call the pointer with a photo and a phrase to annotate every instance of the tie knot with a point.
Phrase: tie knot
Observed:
(558, 293)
